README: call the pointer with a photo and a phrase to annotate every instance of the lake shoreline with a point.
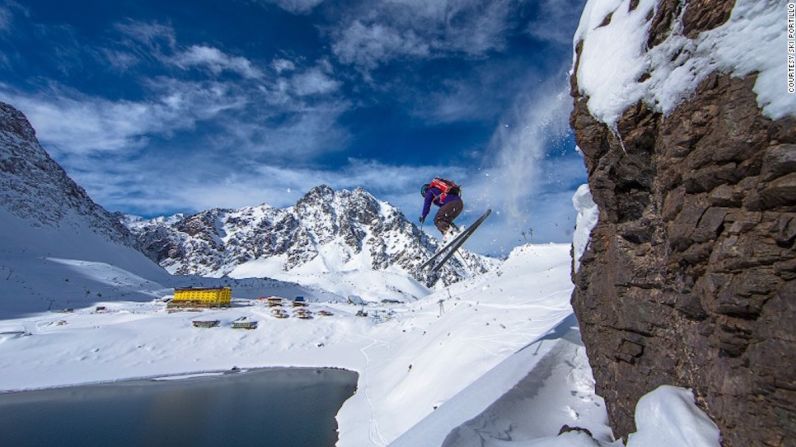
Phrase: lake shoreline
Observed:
(176, 377)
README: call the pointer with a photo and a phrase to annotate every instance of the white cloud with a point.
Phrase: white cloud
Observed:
(77, 124)
(381, 31)
(314, 82)
(8, 9)
(216, 61)
(295, 6)
(367, 46)
(159, 42)
(156, 36)
(281, 65)
(120, 60)
(296, 133)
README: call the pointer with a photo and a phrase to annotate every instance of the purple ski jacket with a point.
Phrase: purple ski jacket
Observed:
(432, 195)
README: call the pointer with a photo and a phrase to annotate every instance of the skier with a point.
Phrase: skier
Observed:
(446, 195)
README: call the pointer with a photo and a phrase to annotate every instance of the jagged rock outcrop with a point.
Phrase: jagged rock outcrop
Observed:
(690, 275)
(351, 226)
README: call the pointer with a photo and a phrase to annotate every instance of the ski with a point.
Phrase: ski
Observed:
(454, 244)
(442, 251)
(458, 243)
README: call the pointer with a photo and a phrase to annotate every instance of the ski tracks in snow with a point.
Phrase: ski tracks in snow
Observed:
(374, 434)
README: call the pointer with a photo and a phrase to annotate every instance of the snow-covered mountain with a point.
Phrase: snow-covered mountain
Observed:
(59, 249)
(51, 228)
(37, 189)
(347, 242)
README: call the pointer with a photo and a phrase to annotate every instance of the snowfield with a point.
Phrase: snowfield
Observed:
(412, 358)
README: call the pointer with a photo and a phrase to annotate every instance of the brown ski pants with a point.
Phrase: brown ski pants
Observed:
(446, 214)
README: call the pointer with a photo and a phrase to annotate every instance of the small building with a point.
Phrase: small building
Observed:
(279, 313)
(244, 323)
(202, 297)
(274, 301)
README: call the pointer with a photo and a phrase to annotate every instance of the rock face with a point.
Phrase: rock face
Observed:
(348, 229)
(690, 275)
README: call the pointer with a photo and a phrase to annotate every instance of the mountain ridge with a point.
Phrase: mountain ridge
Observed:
(335, 231)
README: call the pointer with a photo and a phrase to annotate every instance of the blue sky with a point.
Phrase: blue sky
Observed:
(163, 107)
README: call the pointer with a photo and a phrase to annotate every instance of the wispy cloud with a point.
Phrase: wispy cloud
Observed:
(368, 45)
(289, 111)
(119, 60)
(381, 31)
(5, 19)
(299, 135)
(314, 81)
(158, 41)
(157, 37)
(281, 65)
(73, 123)
(294, 6)
(216, 61)
(9, 9)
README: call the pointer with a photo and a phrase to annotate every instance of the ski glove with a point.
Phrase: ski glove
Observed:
(422, 219)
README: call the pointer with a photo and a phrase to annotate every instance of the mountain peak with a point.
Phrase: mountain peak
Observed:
(321, 191)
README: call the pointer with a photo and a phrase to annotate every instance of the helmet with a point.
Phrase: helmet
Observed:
(423, 189)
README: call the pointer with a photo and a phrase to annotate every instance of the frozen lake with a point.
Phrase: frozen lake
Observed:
(293, 407)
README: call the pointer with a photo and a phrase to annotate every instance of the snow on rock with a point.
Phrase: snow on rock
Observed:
(668, 416)
(347, 242)
(588, 213)
(616, 67)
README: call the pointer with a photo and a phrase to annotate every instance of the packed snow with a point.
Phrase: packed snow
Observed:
(669, 416)
(616, 69)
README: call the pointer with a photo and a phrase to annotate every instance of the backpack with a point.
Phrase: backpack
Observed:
(446, 186)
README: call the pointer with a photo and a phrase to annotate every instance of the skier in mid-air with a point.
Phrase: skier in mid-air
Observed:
(445, 194)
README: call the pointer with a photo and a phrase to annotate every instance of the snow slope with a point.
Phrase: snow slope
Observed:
(49, 224)
(485, 321)
(528, 396)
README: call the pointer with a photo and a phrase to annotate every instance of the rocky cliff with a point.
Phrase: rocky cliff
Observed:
(690, 275)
